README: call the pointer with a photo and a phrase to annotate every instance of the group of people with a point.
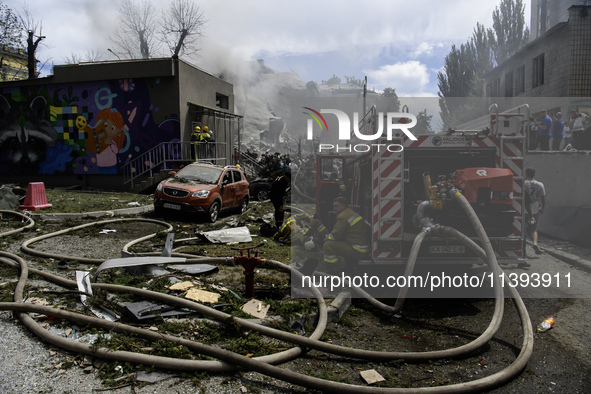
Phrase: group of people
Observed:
(202, 146)
(572, 132)
(348, 241)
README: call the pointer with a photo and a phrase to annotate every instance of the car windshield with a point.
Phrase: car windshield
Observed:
(200, 174)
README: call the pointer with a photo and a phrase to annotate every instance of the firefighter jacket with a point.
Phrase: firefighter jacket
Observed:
(204, 136)
(351, 229)
(278, 189)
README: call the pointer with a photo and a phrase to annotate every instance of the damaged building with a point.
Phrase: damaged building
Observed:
(112, 124)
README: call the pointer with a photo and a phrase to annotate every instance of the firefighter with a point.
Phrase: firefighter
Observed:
(194, 142)
(277, 194)
(204, 139)
(209, 142)
(349, 239)
(299, 229)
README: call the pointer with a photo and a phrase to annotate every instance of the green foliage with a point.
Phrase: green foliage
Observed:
(388, 101)
(11, 30)
(509, 32)
(423, 123)
(465, 66)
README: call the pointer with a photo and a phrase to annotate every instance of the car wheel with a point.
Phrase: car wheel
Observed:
(262, 194)
(213, 212)
(243, 204)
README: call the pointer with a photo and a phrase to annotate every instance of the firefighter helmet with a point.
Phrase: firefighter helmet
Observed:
(205, 128)
(197, 129)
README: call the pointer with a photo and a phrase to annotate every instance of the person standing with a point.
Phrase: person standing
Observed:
(536, 194)
(544, 130)
(557, 130)
(277, 195)
(195, 142)
(576, 127)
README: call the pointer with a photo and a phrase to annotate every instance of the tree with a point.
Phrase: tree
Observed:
(34, 30)
(182, 27)
(90, 56)
(509, 32)
(11, 30)
(423, 125)
(135, 34)
(11, 35)
(388, 101)
(140, 32)
(464, 67)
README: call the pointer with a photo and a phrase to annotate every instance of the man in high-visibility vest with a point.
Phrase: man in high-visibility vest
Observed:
(194, 141)
(202, 141)
(350, 238)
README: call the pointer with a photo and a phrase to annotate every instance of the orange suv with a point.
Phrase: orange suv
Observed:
(203, 188)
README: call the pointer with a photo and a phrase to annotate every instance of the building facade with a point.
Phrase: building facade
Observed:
(14, 64)
(89, 123)
(551, 72)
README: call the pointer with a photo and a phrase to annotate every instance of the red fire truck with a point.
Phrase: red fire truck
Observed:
(386, 186)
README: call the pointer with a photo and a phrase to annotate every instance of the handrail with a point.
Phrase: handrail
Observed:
(161, 156)
(250, 164)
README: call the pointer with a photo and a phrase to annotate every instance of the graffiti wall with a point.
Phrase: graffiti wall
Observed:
(89, 128)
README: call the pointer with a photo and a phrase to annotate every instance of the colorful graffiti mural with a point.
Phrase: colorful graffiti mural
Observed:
(89, 128)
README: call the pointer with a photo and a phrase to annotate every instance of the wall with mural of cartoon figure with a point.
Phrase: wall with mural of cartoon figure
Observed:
(82, 128)
(104, 140)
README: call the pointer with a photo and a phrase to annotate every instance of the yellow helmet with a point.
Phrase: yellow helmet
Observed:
(197, 128)
(205, 128)
(238, 166)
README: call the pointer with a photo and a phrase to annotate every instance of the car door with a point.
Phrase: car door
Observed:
(228, 191)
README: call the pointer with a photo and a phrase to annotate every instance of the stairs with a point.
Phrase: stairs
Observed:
(148, 185)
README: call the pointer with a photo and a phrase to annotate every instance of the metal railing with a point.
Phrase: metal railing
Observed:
(164, 155)
(250, 166)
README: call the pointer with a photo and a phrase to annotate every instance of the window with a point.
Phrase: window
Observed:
(222, 101)
(227, 177)
(537, 78)
(509, 84)
(520, 79)
(238, 176)
(489, 90)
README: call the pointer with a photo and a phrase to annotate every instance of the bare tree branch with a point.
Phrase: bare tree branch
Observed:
(135, 35)
(182, 27)
(92, 55)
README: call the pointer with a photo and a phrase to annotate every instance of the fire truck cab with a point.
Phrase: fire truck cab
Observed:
(386, 187)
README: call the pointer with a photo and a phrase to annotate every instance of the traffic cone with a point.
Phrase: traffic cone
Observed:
(36, 198)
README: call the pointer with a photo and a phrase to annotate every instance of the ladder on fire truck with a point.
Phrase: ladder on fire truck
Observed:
(511, 128)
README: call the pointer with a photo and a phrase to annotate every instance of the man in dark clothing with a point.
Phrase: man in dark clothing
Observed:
(276, 195)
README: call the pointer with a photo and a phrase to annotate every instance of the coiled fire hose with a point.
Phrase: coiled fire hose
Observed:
(229, 359)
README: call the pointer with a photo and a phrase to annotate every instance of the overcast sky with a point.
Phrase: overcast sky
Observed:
(395, 43)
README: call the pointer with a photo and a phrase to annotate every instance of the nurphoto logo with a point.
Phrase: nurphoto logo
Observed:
(345, 130)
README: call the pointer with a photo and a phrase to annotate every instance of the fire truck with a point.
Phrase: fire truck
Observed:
(386, 186)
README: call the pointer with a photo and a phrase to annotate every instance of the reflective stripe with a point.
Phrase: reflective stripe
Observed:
(361, 248)
(354, 219)
(297, 235)
(330, 238)
(331, 259)
(286, 223)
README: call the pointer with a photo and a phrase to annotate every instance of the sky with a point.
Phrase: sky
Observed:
(395, 43)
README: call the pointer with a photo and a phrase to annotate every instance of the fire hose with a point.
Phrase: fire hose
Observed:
(263, 365)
